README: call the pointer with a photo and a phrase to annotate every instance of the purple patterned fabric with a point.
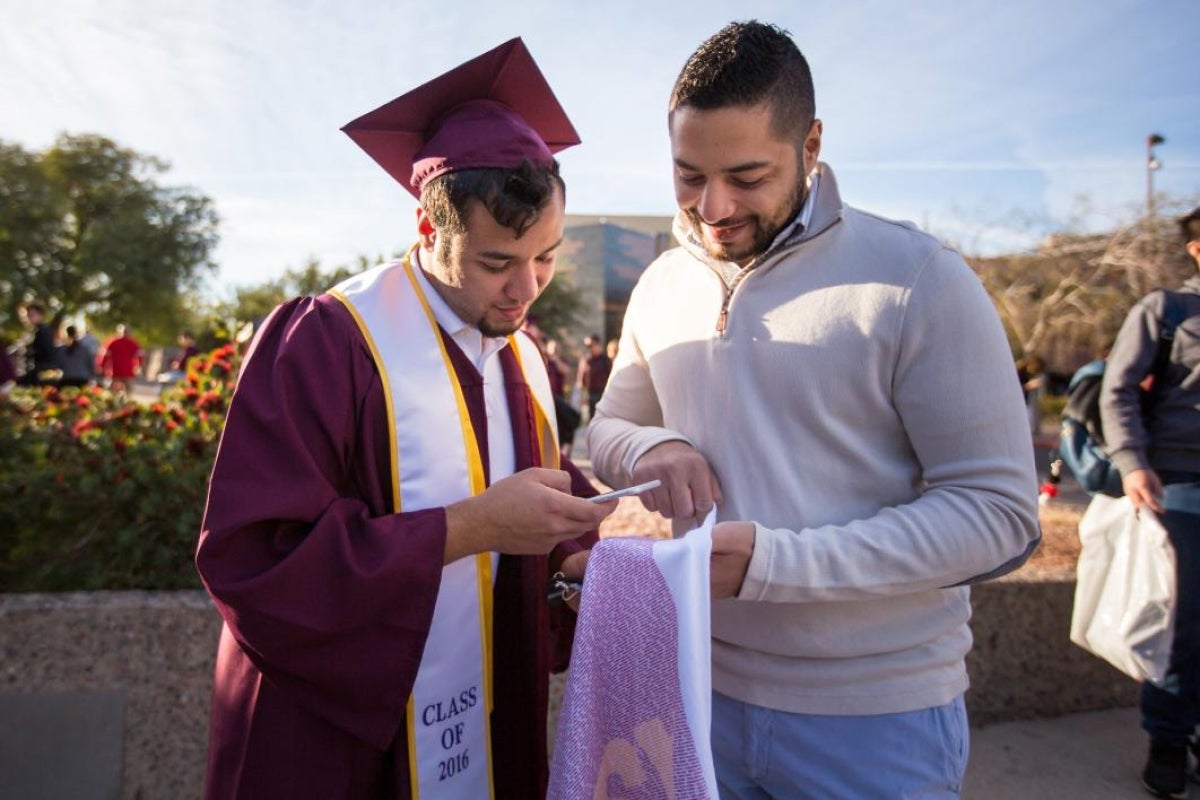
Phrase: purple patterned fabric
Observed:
(623, 730)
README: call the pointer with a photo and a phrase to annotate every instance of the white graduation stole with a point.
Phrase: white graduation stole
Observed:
(436, 462)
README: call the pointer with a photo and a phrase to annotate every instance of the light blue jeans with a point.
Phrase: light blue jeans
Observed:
(763, 754)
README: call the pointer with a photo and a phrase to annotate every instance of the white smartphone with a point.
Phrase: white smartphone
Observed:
(638, 489)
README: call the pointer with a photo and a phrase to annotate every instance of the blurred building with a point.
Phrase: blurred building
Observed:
(603, 256)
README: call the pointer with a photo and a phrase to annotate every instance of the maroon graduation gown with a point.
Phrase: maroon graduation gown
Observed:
(328, 595)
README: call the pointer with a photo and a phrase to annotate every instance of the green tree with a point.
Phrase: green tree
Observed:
(86, 227)
(557, 308)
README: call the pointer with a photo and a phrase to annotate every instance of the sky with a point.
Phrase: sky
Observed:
(987, 123)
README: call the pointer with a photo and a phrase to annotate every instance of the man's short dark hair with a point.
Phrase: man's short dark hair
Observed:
(515, 198)
(745, 64)
(1190, 225)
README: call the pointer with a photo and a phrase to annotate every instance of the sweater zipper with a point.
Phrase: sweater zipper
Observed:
(723, 317)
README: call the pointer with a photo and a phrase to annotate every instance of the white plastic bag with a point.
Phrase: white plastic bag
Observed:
(1125, 588)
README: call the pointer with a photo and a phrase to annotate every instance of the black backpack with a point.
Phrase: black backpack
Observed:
(1081, 438)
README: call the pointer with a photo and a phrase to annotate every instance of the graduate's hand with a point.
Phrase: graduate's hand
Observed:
(524, 514)
(732, 546)
(573, 568)
(689, 487)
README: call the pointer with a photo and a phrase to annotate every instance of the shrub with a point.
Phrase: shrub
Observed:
(101, 491)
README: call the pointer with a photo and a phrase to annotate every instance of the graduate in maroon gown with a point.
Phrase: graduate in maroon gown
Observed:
(387, 503)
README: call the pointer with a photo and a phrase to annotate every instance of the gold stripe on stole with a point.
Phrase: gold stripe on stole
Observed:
(547, 441)
(387, 392)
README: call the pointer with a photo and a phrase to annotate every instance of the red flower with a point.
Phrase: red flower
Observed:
(82, 401)
(158, 408)
(172, 425)
(209, 400)
(80, 427)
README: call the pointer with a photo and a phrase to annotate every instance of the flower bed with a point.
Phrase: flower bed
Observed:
(104, 492)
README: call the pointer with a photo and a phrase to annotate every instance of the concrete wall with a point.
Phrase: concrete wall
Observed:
(78, 667)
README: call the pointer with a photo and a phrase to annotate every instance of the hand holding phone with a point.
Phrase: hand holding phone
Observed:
(626, 492)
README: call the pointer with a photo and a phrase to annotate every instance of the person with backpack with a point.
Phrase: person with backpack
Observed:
(1152, 434)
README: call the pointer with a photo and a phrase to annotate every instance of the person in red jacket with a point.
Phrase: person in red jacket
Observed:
(120, 359)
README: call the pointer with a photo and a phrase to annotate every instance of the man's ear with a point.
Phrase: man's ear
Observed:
(1193, 250)
(812, 147)
(426, 233)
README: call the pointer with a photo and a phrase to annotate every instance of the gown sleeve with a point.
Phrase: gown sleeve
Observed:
(326, 591)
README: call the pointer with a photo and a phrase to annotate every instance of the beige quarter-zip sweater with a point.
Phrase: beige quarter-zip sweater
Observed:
(861, 407)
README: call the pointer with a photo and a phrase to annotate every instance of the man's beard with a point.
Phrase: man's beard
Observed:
(498, 332)
(764, 232)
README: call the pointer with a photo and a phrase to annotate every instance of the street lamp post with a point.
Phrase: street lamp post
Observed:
(1152, 163)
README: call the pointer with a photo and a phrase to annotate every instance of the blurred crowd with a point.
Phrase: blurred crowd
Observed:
(53, 353)
(577, 387)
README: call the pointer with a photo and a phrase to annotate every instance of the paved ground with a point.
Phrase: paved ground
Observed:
(1097, 756)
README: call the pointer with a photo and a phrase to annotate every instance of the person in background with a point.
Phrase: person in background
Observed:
(840, 386)
(387, 505)
(41, 352)
(177, 368)
(92, 345)
(1155, 445)
(594, 369)
(78, 366)
(120, 359)
(187, 349)
(1032, 373)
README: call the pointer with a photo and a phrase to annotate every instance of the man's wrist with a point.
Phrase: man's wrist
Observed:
(464, 530)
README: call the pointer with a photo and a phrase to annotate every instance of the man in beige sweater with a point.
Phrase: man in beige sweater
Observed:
(840, 386)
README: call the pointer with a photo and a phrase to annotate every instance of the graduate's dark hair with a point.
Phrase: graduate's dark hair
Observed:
(745, 64)
(515, 198)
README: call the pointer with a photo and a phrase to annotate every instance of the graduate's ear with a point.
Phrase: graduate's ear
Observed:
(426, 233)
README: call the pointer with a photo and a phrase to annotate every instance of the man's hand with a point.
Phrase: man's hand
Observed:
(573, 568)
(1143, 488)
(732, 546)
(689, 487)
(524, 514)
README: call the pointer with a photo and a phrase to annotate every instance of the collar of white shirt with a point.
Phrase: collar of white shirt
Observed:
(471, 341)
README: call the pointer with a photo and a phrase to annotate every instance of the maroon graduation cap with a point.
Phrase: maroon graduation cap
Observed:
(496, 110)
